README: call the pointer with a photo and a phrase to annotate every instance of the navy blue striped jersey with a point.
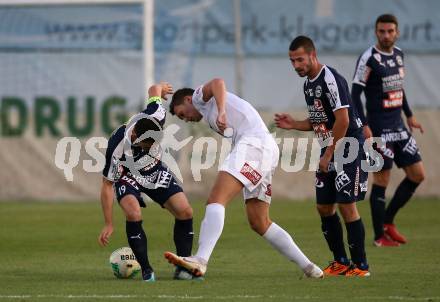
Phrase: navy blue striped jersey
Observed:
(324, 94)
(120, 147)
(381, 76)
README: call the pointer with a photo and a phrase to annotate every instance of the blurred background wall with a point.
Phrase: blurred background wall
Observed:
(78, 70)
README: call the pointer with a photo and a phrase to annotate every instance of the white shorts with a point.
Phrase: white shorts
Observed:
(253, 161)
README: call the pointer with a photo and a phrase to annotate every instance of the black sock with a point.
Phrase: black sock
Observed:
(183, 237)
(332, 230)
(403, 193)
(356, 243)
(377, 205)
(138, 243)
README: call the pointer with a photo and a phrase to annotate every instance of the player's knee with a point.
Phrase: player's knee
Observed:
(325, 210)
(417, 177)
(186, 213)
(381, 179)
(349, 212)
(259, 226)
(133, 215)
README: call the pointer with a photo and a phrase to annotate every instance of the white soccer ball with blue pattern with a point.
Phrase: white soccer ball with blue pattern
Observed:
(124, 264)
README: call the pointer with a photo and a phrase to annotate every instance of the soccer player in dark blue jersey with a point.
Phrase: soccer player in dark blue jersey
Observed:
(332, 117)
(379, 74)
(133, 165)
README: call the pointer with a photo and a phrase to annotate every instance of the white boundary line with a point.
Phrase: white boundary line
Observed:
(228, 297)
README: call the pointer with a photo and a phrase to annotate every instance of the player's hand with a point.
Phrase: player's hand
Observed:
(106, 232)
(412, 123)
(221, 121)
(166, 89)
(324, 161)
(284, 121)
(367, 132)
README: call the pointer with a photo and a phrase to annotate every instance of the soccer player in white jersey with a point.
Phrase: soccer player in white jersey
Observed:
(249, 167)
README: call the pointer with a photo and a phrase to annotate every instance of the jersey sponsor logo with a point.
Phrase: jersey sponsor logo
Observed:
(411, 146)
(395, 99)
(392, 83)
(250, 173)
(318, 105)
(321, 131)
(341, 181)
(399, 60)
(269, 190)
(318, 91)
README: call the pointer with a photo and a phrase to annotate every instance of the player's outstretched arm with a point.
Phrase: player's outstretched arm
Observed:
(285, 121)
(107, 209)
(160, 90)
(216, 88)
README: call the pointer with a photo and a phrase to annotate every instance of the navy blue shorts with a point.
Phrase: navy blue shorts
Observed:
(348, 186)
(160, 184)
(400, 147)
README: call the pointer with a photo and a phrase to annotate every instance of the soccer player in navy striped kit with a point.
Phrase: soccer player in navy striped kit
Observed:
(333, 118)
(133, 165)
(380, 72)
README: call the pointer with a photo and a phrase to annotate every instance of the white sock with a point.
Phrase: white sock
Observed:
(210, 230)
(283, 243)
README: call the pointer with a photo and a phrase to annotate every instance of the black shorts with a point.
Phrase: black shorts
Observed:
(400, 147)
(160, 186)
(348, 186)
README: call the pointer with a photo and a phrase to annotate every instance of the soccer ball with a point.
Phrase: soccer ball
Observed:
(124, 264)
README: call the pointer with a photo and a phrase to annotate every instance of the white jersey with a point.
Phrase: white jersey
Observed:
(241, 117)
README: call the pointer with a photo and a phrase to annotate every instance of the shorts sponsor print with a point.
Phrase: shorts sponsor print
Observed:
(347, 186)
(400, 148)
(159, 185)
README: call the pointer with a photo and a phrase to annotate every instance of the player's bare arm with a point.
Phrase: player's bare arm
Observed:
(339, 130)
(107, 195)
(160, 90)
(410, 119)
(216, 88)
(414, 124)
(286, 121)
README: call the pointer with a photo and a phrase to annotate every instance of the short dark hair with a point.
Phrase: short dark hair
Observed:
(302, 41)
(147, 124)
(178, 98)
(387, 18)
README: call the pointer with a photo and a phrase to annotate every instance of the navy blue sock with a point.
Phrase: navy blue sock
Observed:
(403, 193)
(332, 229)
(356, 243)
(183, 236)
(377, 205)
(138, 243)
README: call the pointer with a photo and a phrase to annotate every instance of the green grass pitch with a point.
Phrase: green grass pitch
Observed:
(49, 252)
